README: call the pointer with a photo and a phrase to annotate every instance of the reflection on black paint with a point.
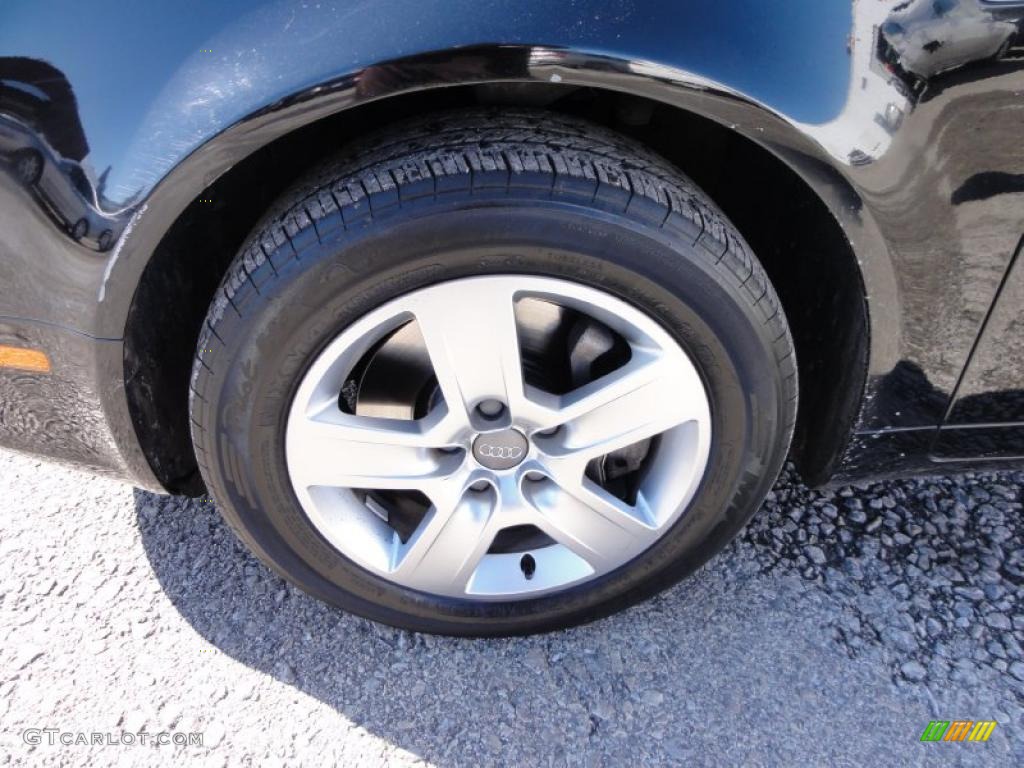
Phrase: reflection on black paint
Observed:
(928, 45)
(981, 437)
(982, 186)
(989, 407)
(907, 391)
(979, 442)
(43, 146)
(991, 388)
(929, 37)
(40, 96)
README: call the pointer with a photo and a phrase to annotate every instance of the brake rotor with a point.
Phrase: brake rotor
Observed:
(398, 380)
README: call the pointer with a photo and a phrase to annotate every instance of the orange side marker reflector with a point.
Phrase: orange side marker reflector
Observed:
(24, 359)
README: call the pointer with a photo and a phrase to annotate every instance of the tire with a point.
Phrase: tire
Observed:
(80, 229)
(480, 194)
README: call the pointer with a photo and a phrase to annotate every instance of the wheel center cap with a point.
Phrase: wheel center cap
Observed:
(500, 450)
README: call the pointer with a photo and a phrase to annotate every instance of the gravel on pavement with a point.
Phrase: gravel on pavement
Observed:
(829, 633)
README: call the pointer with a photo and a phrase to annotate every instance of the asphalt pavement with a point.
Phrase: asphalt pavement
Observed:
(831, 633)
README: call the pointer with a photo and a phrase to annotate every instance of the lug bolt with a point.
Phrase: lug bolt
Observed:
(491, 409)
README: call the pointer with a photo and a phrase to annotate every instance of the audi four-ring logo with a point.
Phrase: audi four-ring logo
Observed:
(501, 451)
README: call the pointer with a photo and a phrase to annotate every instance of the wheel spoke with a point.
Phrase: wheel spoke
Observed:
(445, 550)
(602, 533)
(470, 334)
(338, 449)
(640, 400)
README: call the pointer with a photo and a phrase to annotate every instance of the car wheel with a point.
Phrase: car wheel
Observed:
(81, 229)
(492, 372)
(28, 166)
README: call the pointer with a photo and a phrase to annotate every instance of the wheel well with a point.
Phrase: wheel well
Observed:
(800, 244)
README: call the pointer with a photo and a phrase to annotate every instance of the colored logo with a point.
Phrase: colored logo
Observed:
(958, 730)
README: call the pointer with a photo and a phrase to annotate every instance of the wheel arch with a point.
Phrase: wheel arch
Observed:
(182, 237)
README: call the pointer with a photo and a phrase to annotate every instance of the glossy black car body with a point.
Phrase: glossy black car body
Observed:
(884, 196)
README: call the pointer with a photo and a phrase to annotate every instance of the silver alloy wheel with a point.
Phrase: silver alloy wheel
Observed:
(494, 452)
